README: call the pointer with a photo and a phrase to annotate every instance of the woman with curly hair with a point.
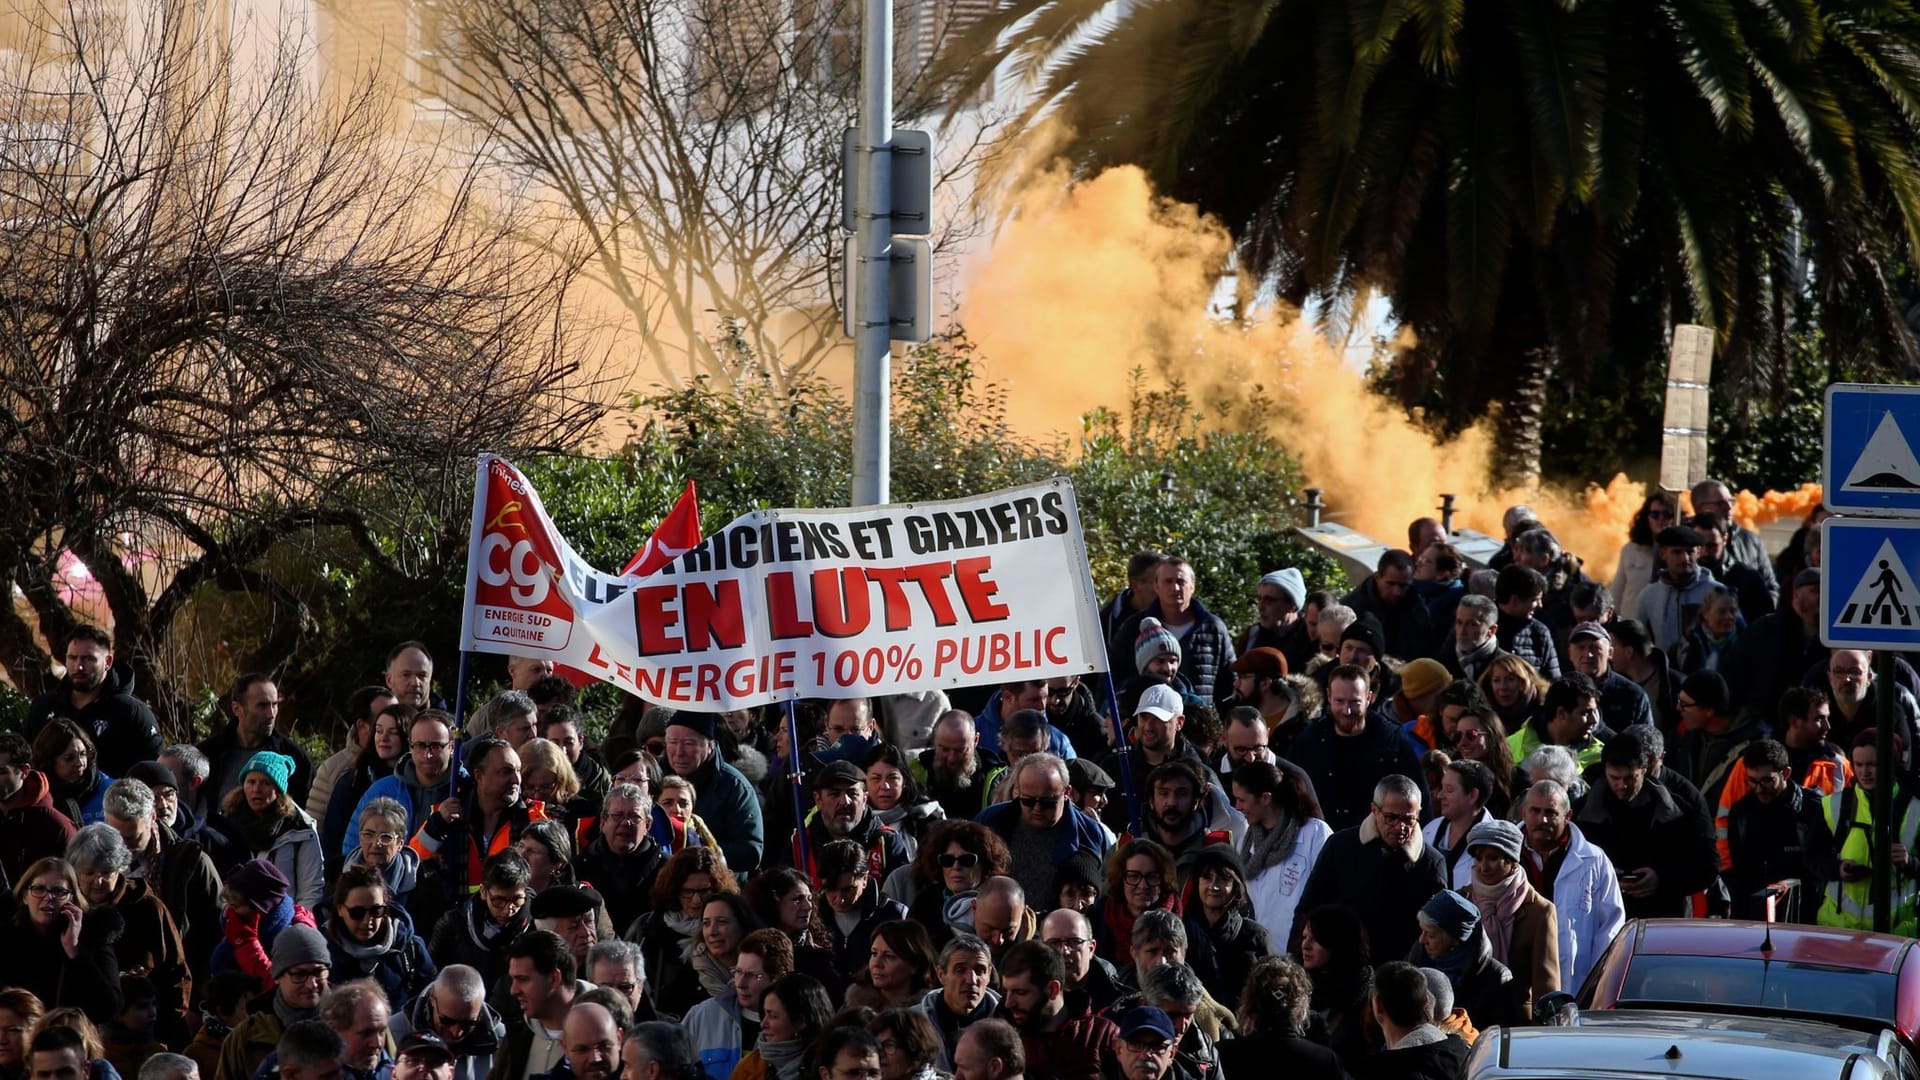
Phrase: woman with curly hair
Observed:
(1638, 559)
(669, 933)
(1140, 877)
(956, 858)
(1481, 737)
(1274, 1007)
(1516, 689)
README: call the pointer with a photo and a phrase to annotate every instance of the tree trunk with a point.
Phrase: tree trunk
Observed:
(1517, 424)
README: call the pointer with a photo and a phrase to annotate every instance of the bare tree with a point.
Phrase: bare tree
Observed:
(697, 143)
(233, 312)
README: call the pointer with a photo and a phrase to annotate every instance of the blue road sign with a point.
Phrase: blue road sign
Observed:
(1869, 466)
(1868, 596)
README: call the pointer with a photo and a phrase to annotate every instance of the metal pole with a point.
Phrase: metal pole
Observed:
(873, 241)
(1886, 769)
(1122, 754)
(802, 860)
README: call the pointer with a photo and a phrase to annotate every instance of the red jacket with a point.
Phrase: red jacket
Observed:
(33, 828)
(1072, 1049)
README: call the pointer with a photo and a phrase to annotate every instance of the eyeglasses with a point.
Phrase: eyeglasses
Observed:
(381, 839)
(628, 817)
(887, 1046)
(1067, 944)
(316, 973)
(753, 976)
(689, 894)
(965, 861)
(1060, 693)
(1659, 515)
(368, 911)
(1158, 1049)
(1029, 802)
(74, 757)
(1141, 877)
(47, 892)
(436, 747)
(1398, 819)
(457, 1023)
(625, 988)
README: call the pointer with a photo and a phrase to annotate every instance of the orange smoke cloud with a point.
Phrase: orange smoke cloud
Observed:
(1086, 281)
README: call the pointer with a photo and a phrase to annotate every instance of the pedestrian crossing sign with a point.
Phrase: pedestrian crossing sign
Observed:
(1869, 465)
(1868, 595)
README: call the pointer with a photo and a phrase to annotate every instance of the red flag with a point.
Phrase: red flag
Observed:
(676, 535)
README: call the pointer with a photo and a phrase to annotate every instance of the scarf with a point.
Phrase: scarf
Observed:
(76, 795)
(212, 1025)
(1498, 905)
(687, 929)
(1265, 848)
(371, 952)
(289, 1015)
(1120, 921)
(1453, 965)
(715, 978)
(783, 1058)
(255, 831)
(483, 930)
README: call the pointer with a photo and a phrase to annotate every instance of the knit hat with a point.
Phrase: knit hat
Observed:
(1265, 661)
(1423, 677)
(299, 944)
(276, 767)
(1291, 582)
(1501, 836)
(698, 721)
(1809, 576)
(1452, 914)
(1367, 631)
(1080, 868)
(154, 775)
(1708, 689)
(1154, 641)
(259, 882)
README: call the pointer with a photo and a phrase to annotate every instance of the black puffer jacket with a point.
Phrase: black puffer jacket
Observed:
(123, 729)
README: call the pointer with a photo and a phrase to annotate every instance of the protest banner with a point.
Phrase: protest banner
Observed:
(780, 604)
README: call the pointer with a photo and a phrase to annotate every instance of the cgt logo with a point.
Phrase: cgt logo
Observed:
(514, 564)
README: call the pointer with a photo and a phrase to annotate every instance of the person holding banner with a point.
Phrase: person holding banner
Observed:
(725, 799)
(840, 812)
(483, 821)
(1040, 825)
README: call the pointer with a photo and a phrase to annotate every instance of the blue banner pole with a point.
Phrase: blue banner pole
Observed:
(797, 781)
(1123, 753)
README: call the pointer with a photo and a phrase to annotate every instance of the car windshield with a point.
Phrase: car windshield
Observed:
(1774, 986)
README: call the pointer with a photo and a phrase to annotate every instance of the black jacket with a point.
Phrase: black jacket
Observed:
(1408, 625)
(1486, 988)
(1769, 659)
(225, 742)
(36, 962)
(1344, 769)
(1787, 838)
(1293, 1057)
(1222, 955)
(458, 938)
(123, 729)
(1653, 831)
(1384, 887)
(1441, 1060)
(1622, 702)
(623, 881)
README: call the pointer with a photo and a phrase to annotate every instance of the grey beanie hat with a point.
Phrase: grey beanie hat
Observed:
(1502, 836)
(1291, 582)
(298, 945)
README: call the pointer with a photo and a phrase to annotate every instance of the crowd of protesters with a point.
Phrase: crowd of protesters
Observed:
(1341, 841)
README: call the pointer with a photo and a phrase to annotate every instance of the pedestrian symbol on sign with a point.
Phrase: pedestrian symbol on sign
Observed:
(1885, 595)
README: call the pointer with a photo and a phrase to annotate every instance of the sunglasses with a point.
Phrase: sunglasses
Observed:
(948, 860)
(368, 911)
(1030, 801)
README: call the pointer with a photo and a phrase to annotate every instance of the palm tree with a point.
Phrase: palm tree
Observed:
(1529, 182)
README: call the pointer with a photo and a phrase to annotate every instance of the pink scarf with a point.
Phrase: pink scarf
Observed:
(1498, 904)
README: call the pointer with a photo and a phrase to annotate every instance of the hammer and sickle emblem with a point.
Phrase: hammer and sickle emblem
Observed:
(499, 519)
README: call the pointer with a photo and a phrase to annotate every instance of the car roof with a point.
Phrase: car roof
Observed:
(1654, 1043)
(1825, 946)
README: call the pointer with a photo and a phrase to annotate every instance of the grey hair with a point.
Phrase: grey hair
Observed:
(462, 981)
(1558, 761)
(1440, 988)
(1538, 541)
(190, 758)
(309, 1044)
(964, 943)
(503, 707)
(384, 807)
(343, 1002)
(129, 800)
(1485, 611)
(1171, 984)
(1043, 759)
(620, 951)
(553, 836)
(667, 1046)
(1654, 742)
(1482, 583)
(1159, 924)
(1341, 615)
(1395, 784)
(634, 793)
(169, 1067)
(99, 847)
(1552, 789)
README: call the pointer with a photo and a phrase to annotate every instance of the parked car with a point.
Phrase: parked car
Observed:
(1853, 978)
(1629, 1044)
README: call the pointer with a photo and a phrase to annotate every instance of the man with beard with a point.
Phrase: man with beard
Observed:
(97, 694)
(1041, 826)
(725, 800)
(421, 780)
(1069, 934)
(1280, 603)
(1182, 816)
(1059, 1031)
(484, 821)
(1158, 718)
(1143, 1048)
(1001, 916)
(1071, 711)
(965, 969)
(1476, 639)
(1850, 676)
(623, 860)
(955, 771)
(1387, 594)
(1669, 605)
(840, 812)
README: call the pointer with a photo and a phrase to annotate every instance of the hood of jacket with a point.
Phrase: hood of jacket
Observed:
(481, 1039)
(1652, 794)
(409, 776)
(34, 791)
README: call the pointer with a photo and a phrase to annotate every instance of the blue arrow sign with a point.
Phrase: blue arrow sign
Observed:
(1869, 466)
(1868, 596)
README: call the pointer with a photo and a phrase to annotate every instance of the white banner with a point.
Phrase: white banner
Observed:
(782, 604)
